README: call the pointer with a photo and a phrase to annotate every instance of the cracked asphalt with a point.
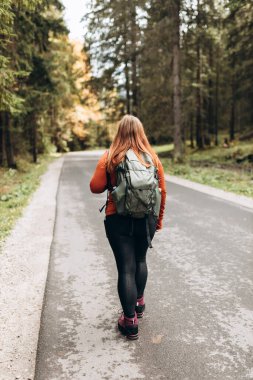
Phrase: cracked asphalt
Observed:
(198, 323)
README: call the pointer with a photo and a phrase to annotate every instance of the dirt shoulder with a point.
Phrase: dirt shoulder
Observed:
(23, 272)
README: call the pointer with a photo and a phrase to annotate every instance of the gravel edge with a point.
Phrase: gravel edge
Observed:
(24, 260)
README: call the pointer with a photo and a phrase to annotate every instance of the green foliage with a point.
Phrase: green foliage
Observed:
(237, 181)
(216, 166)
(239, 22)
(10, 72)
(37, 79)
(114, 44)
(216, 64)
(16, 188)
(155, 76)
(130, 45)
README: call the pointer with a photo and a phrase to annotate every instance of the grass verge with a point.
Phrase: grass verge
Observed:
(239, 181)
(17, 187)
(215, 166)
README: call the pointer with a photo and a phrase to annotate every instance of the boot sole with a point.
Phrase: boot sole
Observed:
(140, 313)
(128, 334)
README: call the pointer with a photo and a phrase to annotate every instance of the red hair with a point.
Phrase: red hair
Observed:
(130, 135)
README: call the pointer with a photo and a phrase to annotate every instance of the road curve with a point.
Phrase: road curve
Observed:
(198, 323)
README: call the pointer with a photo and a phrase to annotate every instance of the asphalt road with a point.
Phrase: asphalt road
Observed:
(198, 323)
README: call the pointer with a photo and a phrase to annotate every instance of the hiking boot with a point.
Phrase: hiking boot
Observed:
(128, 326)
(140, 307)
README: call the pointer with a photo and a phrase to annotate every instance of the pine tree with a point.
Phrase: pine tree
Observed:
(239, 24)
(176, 76)
(113, 39)
(176, 64)
(155, 75)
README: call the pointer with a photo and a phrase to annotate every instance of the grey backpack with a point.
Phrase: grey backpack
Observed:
(137, 191)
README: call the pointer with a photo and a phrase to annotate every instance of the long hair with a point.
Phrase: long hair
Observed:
(130, 135)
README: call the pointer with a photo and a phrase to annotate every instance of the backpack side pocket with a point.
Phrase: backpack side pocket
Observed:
(118, 196)
(157, 200)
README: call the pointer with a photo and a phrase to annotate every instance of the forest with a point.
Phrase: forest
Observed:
(185, 68)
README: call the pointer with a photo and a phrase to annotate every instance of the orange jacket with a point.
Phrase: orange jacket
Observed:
(98, 184)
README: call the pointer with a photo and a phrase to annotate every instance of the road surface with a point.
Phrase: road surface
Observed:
(198, 323)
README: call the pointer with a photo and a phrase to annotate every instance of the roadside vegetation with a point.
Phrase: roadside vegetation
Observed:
(17, 187)
(229, 168)
(184, 68)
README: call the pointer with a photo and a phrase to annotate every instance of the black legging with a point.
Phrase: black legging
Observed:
(128, 239)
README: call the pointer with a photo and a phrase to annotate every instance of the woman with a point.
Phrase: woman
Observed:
(127, 235)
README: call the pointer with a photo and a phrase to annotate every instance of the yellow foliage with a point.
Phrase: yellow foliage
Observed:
(81, 115)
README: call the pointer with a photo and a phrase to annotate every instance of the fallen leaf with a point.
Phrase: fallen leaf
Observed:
(157, 339)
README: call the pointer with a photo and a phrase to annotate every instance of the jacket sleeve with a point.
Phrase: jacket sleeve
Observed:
(98, 182)
(162, 186)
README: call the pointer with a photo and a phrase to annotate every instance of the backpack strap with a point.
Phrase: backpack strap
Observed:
(147, 158)
(130, 154)
(109, 188)
(133, 157)
(108, 180)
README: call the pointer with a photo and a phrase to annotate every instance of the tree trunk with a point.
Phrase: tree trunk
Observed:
(128, 98)
(134, 60)
(8, 142)
(210, 110)
(199, 132)
(216, 121)
(233, 100)
(232, 114)
(126, 68)
(191, 133)
(34, 140)
(178, 144)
